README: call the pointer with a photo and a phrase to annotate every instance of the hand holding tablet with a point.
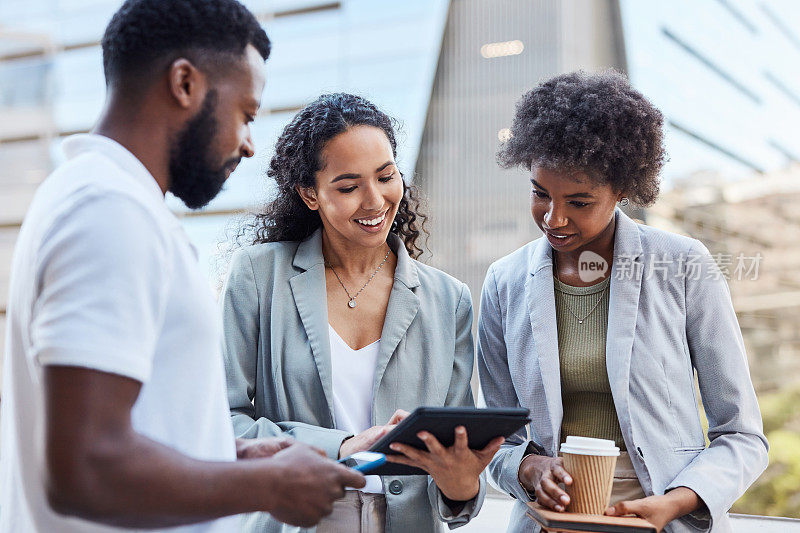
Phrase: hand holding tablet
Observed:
(429, 430)
(456, 469)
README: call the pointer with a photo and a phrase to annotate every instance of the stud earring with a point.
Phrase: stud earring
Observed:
(623, 201)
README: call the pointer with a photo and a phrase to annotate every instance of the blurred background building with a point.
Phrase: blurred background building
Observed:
(726, 73)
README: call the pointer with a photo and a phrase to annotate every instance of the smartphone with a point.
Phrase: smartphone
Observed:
(364, 462)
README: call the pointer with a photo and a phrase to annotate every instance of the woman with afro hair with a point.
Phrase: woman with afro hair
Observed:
(600, 325)
(333, 330)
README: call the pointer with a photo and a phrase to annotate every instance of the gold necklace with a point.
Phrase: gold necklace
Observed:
(579, 319)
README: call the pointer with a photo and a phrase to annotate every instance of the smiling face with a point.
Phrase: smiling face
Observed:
(359, 188)
(572, 210)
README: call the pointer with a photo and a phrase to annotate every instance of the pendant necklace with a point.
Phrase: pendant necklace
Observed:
(352, 298)
(579, 319)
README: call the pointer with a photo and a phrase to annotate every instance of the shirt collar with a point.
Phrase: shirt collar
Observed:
(76, 145)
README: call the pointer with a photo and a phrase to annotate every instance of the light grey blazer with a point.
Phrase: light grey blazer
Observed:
(278, 362)
(662, 326)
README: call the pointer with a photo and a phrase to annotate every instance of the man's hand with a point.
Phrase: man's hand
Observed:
(99, 468)
(659, 510)
(303, 484)
(541, 475)
(260, 448)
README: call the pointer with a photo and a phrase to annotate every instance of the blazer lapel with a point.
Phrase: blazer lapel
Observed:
(540, 297)
(308, 290)
(626, 283)
(626, 280)
(401, 311)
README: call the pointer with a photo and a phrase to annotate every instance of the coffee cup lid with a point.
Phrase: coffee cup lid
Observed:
(589, 446)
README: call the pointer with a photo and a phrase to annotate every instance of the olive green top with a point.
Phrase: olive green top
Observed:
(582, 320)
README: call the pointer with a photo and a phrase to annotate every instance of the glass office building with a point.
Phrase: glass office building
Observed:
(726, 77)
(725, 73)
(480, 212)
(728, 81)
(51, 86)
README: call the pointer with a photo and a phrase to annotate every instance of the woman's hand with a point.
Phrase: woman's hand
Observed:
(397, 417)
(455, 470)
(540, 475)
(364, 440)
(263, 447)
(659, 510)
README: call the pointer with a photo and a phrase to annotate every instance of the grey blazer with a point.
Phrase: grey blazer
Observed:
(670, 314)
(278, 362)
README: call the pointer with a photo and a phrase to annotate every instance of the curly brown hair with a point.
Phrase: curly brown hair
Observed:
(297, 160)
(595, 123)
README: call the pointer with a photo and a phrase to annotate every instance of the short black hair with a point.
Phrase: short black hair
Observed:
(143, 32)
(594, 123)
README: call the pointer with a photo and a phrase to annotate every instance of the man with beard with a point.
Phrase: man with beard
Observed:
(115, 413)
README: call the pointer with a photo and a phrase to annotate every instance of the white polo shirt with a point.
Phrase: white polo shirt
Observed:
(104, 277)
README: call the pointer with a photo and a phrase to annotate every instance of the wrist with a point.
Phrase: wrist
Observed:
(461, 495)
(682, 501)
(220, 479)
(523, 473)
(344, 448)
(266, 472)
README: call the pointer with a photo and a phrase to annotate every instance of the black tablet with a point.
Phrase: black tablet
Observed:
(482, 424)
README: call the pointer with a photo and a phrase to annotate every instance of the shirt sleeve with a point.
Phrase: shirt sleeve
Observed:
(498, 391)
(241, 308)
(101, 287)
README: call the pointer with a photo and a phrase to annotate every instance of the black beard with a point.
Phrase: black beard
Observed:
(193, 178)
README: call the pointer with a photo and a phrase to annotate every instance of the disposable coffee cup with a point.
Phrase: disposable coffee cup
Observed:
(591, 464)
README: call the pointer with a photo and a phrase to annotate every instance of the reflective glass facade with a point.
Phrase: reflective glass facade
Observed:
(51, 85)
(725, 73)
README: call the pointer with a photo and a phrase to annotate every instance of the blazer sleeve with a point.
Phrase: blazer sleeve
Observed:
(460, 394)
(737, 453)
(240, 303)
(498, 391)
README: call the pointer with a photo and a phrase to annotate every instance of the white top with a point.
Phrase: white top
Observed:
(353, 374)
(104, 277)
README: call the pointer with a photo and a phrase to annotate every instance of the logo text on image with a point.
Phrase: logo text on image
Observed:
(591, 266)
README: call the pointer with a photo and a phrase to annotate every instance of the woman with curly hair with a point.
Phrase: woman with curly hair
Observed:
(333, 331)
(600, 325)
